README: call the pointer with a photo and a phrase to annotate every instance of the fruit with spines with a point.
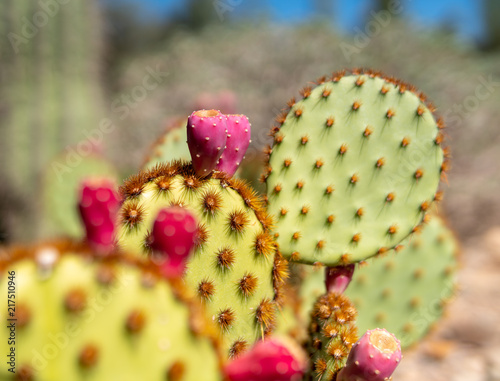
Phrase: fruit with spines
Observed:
(332, 332)
(206, 138)
(368, 137)
(98, 205)
(374, 357)
(235, 270)
(238, 140)
(390, 290)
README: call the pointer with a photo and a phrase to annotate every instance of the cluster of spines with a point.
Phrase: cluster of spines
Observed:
(332, 334)
(329, 122)
(161, 174)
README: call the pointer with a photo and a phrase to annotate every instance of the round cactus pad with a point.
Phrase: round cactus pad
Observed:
(353, 168)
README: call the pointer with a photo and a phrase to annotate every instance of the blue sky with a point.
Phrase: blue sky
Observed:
(464, 15)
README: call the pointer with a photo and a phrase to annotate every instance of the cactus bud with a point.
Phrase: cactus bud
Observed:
(98, 205)
(173, 237)
(338, 278)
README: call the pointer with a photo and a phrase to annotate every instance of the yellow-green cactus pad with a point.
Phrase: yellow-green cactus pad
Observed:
(234, 270)
(84, 318)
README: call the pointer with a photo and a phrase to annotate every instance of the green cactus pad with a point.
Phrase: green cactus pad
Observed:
(403, 291)
(170, 146)
(353, 168)
(332, 334)
(85, 318)
(234, 269)
(60, 192)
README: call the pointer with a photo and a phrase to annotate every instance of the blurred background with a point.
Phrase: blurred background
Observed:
(87, 79)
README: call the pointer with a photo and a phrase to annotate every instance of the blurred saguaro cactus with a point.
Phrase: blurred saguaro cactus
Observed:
(49, 88)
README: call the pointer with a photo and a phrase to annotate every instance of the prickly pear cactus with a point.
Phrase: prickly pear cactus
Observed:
(354, 165)
(60, 192)
(404, 290)
(170, 146)
(234, 269)
(84, 318)
(332, 334)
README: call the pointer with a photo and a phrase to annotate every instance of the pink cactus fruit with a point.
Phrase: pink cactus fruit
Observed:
(238, 140)
(99, 204)
(275, 359)
(173, 237)
(374, 357)
(338, 278)
(206, 138)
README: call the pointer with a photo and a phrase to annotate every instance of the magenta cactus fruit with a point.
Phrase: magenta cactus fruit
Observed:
(275, 359)
(374, 357)
(98, 205)
(173, 237)
(206, 138)
(238, 139)
(338, 278)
